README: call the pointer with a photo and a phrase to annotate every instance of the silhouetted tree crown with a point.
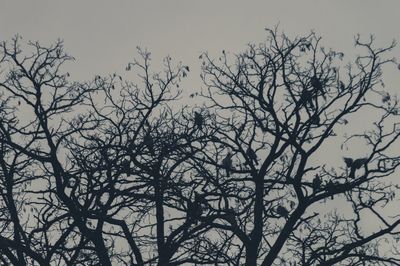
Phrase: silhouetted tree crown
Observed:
(112, 172)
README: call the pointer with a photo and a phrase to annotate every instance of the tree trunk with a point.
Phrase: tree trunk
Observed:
(251, 255)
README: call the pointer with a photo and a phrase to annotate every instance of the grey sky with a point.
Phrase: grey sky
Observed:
(102, 35)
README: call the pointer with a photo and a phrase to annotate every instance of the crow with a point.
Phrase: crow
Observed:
(227, 163)
(251, 154)
(126, 166)
(198, 120)
(148, 141)
(195, 208)
(316, 183)
(281, 211)
(330, 188)
(348, 161)
(354, 164)
(306, 98)
(315, 119)
(342, 86)
(358, 163)
(316, 83)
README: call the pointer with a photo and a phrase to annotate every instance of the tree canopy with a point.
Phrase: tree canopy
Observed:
(113, 171)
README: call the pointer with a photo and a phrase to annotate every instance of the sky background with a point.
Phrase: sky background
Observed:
(103, 35)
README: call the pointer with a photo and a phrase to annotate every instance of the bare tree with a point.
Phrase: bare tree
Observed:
(279, 103)
(115, 172)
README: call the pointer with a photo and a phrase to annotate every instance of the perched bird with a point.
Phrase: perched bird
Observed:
(316, 83)
(126, 166)
(386, 98)
(330, 188)
(195, 208)
(348, 161)
(315, 119)
(316, 183)
(354, 164)
(198, 120)
(230, 216)
(251, 154)
(306, 98)
(227, 163)
(342, 86)
(358, 163)
(148, 141)
(281, 211)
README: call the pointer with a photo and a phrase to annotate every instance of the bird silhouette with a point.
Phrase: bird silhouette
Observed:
(195, 208)
(282, 212)
(315, 119)
(316, 83)
(358, 163)
(354, 164)
(306, 98)
(227, 163)
(348, 161)
(149, 142)
(251, 154)
(330, 188)
(342, 86)
(230, 216)
(198, 120)
(316, 183)
(126, 166)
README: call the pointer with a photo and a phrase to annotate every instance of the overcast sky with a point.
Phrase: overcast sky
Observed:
(102, 35)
